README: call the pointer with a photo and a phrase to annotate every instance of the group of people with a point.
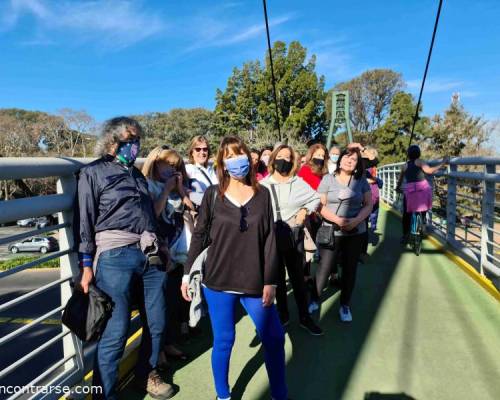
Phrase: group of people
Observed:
(250, 216)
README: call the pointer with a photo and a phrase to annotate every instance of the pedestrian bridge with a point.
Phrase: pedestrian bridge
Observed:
(424, 327)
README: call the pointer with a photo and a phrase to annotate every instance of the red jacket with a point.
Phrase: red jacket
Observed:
(309, 176)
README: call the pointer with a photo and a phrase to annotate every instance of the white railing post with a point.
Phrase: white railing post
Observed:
(487, 218)
(451, 206)
(69, 267)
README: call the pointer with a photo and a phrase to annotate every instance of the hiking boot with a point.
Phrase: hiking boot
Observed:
(157, 388)
(308, 324)
(345, 314)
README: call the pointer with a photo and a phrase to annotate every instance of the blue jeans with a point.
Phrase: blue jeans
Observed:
(221, 307)
(117, 271)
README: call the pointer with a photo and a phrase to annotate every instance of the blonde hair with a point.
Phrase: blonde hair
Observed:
(160, 155)
(194, 141)
(294, 159)
(370, 152)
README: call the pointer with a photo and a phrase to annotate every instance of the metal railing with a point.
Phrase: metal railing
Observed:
(466, 208)
(72, 366)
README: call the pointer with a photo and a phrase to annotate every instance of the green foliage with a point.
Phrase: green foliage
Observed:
(371, 95)
(15, 262)
(247, 103)
(393, 136)
(457, 132)
(175, 128)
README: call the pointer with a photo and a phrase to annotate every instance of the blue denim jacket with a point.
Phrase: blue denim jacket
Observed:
(111, 196)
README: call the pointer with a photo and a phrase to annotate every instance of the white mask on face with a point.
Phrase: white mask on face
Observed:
(265, 159)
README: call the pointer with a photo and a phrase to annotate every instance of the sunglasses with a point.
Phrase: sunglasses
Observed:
(199, 149)
(243, 221)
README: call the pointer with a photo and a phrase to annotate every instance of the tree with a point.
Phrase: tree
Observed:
(79, 125)
(370, 95)
(247, 103)
(175, 128)
(392, 138)
(458, 133)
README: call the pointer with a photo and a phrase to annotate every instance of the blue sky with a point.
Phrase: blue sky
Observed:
(115, 57)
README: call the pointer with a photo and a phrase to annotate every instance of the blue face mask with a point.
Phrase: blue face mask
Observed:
(127, 152)
(334, 157)
(238, 167)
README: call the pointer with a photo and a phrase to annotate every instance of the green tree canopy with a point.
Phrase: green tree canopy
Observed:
(457, 132)
(392, 138)
(175, 128)
(371, 95)
(247, 102)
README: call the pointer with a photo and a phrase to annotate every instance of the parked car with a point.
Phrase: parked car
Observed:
(37, 243)
(42, 222)
(26, 222)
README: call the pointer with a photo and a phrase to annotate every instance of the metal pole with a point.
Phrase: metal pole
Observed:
(273, 80)
(415, 118)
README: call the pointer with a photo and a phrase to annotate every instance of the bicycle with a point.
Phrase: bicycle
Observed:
(416, 232)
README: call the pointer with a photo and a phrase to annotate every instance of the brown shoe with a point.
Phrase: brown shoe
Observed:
(157, 388)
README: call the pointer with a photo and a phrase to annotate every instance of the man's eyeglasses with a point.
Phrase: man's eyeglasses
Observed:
(199, 149)
(243, 221)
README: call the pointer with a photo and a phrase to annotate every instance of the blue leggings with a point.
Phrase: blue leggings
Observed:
(221, 307)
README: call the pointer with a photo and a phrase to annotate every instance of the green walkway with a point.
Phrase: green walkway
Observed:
(422, 330)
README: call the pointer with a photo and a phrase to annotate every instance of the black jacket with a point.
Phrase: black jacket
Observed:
(237, 261)
(111, 196)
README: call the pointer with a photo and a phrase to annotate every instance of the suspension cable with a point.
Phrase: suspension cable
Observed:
(273, 80)
(415, 118)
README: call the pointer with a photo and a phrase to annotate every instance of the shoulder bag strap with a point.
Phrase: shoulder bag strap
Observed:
(206, 241)
(275, 196)
(205, 175)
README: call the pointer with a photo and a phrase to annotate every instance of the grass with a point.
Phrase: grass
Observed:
(15, 262)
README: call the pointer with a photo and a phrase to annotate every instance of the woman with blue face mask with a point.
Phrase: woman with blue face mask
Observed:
(241, 264)
(333, 158)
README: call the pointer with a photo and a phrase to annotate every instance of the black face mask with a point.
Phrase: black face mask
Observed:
(319, 162)
(283, 166)
(371, 163)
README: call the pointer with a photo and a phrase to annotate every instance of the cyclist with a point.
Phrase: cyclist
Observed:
(417, 190)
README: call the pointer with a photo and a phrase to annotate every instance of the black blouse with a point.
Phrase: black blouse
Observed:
(237, 261)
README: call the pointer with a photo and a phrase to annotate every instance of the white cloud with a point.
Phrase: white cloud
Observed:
(112, 22)
(435, 85)
(333, 58)
(212, 33)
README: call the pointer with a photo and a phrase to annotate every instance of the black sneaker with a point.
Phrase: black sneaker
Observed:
(309, 325)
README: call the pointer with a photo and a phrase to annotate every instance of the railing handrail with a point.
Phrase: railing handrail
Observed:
(479, 199)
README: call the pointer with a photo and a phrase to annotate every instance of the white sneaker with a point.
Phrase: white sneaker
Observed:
(313, 306)
(345, 314)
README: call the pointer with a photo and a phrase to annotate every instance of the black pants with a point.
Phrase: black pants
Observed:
(348, 248)
(407, 218)
(293, 261)
(177, 307)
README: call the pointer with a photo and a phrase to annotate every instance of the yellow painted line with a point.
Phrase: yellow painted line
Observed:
(484, 282)
(25, 321)
(126, 364)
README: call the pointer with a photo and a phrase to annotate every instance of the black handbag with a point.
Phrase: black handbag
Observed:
(207, 240)
(325, 237)
(86, 315)
(287, 238)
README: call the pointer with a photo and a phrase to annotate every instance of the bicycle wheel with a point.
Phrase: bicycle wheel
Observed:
(418, 235)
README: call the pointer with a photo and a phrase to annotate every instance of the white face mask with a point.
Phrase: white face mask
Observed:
(265, 160)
